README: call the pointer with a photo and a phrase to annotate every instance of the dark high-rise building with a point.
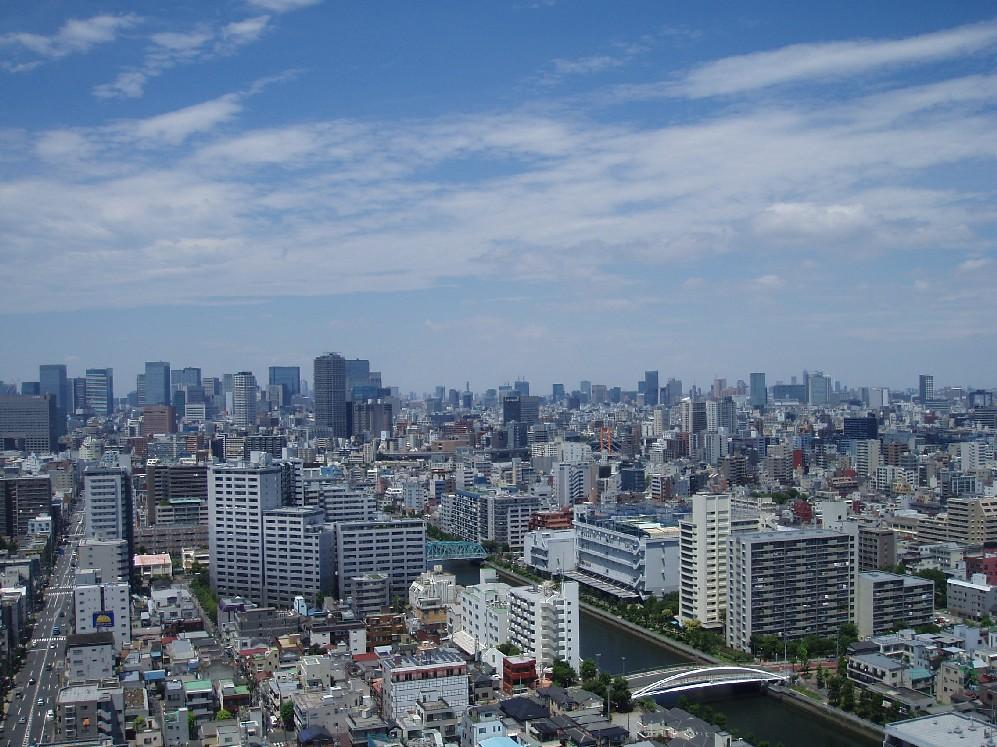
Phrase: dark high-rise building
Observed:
(371, 417)
(22, 499)
(330, 394)
(521, 409)
(30, 423)
(185, 377)
(557, 392)
(522, 387)
(651, 388)
(78, 394)
(674, 392)
(31, 388)
(170, 483)
(288, 378)
(759, 392)
(925, 387)
(100, 391)
(861, 429)
(157, 383)
(52, 378)
(357, 373)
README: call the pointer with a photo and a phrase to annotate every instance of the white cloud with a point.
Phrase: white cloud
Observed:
(974, 264)
(246, 31)
(282, 6)
(176, 126)
(129, 85)
(377, 206)
(75, 36)
(800, 62)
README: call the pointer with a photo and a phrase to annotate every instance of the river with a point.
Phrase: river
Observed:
(749, 711)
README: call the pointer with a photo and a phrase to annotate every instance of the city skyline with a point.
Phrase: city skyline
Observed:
(565, 186)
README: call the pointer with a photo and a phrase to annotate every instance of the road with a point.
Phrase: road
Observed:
(44, 649)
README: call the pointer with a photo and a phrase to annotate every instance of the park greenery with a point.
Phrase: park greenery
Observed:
(200, 587)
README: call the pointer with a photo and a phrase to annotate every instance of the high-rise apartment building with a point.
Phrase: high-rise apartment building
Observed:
(157, 383)
(244, 399)
(759, 392)
(703, 557)
(100, 391)
(650, 388)
(396, 548)
(788, 584)
(330, 394)
(30, 423)
(297, 549)
(886, 600)
(52, 378)
(107, 501)
(543, 622)
(925, 388)
(238, 496)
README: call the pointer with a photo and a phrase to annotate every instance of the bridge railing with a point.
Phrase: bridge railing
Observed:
(455, 550)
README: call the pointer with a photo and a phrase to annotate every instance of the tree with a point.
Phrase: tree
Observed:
(646, 705)
(821, 680)
(834, 690)
(588, 670)
(509, 649)
(941, 586)
(563, 674)
(847, 695)
(619, 695)
(191, 726)
(287, 714)
(223, 715)
(803, 655)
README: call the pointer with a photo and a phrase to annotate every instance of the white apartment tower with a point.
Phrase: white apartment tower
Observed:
(297, 554)
(107, 501)
(104, 608)
(243, 398)
(543, 622)
(238, 496)
(703, 560)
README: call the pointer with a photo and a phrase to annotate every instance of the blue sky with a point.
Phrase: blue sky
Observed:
(478, 191)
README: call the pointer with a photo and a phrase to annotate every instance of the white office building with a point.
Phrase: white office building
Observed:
(426, 676)
(238, 496)
(110, 557)
(483, 611)
(543, 622)
(107, 500)
(572, 482)
(550, 550)
(104, 607)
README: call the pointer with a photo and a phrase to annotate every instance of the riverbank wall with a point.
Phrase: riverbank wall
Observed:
(847, 721)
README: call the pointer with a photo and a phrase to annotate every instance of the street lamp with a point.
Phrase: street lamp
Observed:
(624, 672)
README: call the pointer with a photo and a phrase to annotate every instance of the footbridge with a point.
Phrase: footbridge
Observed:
(437, 551)
(694, 677)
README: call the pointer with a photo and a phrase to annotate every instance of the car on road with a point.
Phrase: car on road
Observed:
(40, 702)
(31, 681)
(22, 720)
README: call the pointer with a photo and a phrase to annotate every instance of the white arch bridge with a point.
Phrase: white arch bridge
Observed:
(677, 679)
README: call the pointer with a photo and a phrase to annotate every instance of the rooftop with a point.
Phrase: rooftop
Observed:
(943, 730)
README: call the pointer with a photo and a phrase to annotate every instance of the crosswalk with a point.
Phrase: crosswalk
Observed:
(53, 639)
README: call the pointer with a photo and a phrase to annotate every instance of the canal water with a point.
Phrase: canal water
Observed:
(748, 710)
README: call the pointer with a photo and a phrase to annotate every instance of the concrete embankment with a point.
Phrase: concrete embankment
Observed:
(847, 721)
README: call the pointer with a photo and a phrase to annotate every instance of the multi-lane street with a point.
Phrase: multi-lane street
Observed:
(25, 722)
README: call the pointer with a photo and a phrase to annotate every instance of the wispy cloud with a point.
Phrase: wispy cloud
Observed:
(974, 264)
(75, 36)
(802, 62)
(282, 6)
(201, 43)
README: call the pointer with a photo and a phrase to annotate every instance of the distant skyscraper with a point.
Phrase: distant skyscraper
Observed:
(185, 377)
(925, 387)
(140, 389)
(357, 374)
(651, 388)
(818, 389)
(244, 398)
(30, 423)
(100, 390)
(557, 392)
(523, 387)
(78, 394)
(288, 377)
(674, 391)
(759, 392)
(330, 394)
(31, 388)
(52, 378)
(157, 383)
(693, 414)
